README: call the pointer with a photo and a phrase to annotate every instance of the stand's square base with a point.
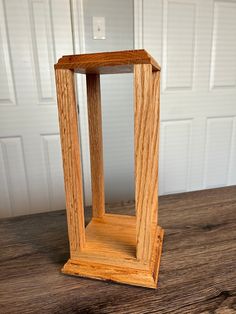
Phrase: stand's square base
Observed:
(110, 253)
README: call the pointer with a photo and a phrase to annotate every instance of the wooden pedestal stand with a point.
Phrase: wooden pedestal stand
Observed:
(120, 248)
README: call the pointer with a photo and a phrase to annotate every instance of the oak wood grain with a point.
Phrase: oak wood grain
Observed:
(106, 257)
(197, 272)
(146, 130)
(70, 143)
(146, 127)
(95, 143)
(110, 253)
(155, 132)
(107, 62)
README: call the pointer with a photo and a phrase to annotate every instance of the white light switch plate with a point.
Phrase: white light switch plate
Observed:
(99, 27)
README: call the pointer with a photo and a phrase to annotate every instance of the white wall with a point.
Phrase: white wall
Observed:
(117, 96)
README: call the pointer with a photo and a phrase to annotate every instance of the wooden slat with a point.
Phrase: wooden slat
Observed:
(68, 120)
(107, 62)
(156, 138)
(95, 139)
(146, 157)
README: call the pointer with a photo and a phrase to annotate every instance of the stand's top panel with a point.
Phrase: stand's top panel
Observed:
(106, 62)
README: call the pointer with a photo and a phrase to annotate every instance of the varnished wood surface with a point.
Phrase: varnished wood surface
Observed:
(197, 273)
(96, 143)
(146, 139)
(148, 237)
(70, 144)
(110, 253)
(107, 62)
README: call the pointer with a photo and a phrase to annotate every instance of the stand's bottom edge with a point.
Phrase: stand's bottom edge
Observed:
(118, 273)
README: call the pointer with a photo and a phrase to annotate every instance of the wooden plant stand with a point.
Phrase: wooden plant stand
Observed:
(120, 248)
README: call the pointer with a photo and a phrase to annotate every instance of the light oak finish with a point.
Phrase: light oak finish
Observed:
(107, 62)
(95, 141)
(113, 247)
(146, 85)
(155, 132)
(70, 143)
(110, 253)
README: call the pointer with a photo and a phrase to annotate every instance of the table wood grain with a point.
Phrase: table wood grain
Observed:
(197, 273)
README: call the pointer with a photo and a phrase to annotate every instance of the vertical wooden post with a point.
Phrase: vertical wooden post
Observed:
(70, 144)
(156, 133)
(95, 139)
(146, 126)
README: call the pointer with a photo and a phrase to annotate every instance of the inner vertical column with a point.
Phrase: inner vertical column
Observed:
(95, 140)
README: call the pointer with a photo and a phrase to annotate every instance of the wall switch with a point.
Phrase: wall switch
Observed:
(99, 27)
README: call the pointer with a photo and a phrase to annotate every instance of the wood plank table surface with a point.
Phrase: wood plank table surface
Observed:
(197, 273)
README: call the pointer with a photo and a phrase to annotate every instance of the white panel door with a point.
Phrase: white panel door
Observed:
(33, 35)
(195, 42)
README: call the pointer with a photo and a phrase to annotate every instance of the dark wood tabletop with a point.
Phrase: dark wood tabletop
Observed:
(197, 273)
